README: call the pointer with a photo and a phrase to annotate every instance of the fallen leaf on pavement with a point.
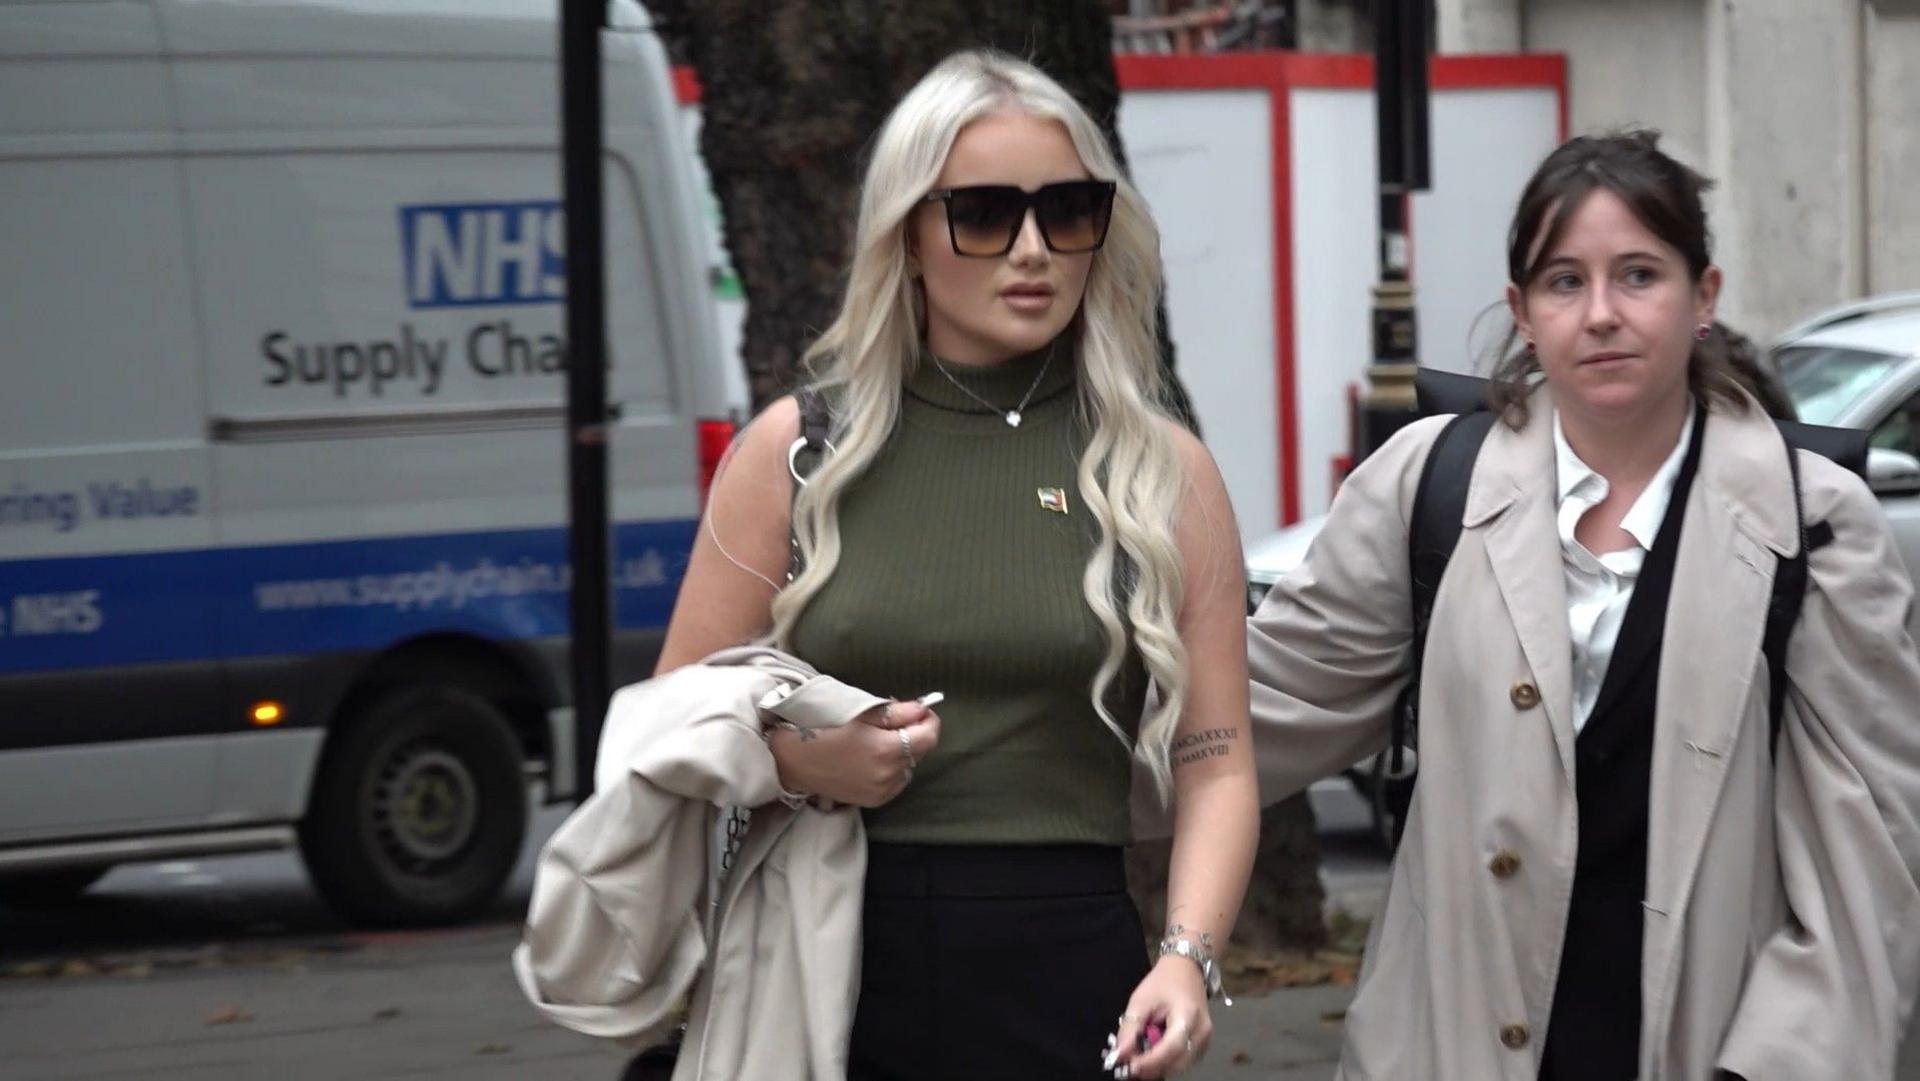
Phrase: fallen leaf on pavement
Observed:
(493, 1049)
(232, 1015)
(1241, 1058)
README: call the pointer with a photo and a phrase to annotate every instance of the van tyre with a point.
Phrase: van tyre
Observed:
(418, 809)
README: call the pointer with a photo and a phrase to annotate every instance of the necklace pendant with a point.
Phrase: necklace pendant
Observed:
(1013, 418)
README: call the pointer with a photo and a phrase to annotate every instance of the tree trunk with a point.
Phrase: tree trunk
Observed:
(791, 94)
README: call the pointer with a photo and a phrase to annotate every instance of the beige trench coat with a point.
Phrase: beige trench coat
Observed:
(623, 925)
(1782, 936)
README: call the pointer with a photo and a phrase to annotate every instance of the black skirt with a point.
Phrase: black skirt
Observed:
(993, 962)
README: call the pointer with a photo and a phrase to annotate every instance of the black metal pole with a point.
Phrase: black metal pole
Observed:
(588, 530)
(1402, 44)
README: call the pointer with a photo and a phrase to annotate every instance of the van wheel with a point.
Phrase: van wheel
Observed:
(418, 810)
(48, 889)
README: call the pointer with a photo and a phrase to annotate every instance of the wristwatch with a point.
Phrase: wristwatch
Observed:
(1209, 969)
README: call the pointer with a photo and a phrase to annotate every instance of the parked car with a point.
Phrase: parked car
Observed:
(1857, 366)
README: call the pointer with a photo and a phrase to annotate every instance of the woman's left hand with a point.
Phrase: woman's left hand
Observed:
(1174, 998)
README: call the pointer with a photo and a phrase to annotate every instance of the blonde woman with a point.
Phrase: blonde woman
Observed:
(1008, 517)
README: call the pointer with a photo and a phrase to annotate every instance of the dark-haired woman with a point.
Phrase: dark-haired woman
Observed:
(1612, 868)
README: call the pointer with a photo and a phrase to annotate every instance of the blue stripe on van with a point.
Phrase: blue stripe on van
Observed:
(203, 604)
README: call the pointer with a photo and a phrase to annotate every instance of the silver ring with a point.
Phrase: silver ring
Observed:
(906, 747)
(793, 458)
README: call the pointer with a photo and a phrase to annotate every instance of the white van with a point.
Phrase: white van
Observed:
(282, 471)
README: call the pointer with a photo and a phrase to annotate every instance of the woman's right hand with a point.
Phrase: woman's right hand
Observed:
(864, 763)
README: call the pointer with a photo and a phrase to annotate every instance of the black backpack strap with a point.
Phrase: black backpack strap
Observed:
(1438, 391)
(804, 456)
(1845, 447)
(1439, 504)
(1783, 609)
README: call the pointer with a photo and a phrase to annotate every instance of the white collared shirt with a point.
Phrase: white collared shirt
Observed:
(1599, 588)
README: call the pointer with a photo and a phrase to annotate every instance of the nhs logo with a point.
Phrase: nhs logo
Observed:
(459, 255)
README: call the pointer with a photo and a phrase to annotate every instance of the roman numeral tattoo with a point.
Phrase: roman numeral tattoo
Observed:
(1202, 745)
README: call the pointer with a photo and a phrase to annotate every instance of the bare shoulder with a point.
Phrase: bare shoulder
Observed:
(770, 433)
(1197, 466)
(760, 451)
(1208, 531)
(752, 483)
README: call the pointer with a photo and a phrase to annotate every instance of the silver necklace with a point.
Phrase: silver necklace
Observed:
(1011, 416)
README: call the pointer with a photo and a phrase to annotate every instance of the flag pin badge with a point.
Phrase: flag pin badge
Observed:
(1053, 499)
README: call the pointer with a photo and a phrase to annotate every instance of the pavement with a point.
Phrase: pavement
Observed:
(230, 970)
(423, 1007)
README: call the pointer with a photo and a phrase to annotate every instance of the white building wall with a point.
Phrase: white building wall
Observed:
(1478, 26)
(1805, 113)
(1786, 133)
(1893, 147)
(1629, 63)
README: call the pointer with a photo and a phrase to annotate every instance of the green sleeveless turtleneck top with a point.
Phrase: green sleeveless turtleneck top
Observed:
(963, 550)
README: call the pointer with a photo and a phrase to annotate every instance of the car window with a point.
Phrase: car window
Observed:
(1824, 381)
(1901, 429)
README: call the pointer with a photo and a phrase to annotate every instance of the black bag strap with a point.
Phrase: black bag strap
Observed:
(1789, 589)
(1845, 447)
(804, 456)
(1439, 504)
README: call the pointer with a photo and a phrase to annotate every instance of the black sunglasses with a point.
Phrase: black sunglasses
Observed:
(984, 220)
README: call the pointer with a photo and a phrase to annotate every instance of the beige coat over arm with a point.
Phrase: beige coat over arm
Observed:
(625, 925)
(1782, 934)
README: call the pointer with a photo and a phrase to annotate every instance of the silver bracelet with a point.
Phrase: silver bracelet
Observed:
(1209, 969)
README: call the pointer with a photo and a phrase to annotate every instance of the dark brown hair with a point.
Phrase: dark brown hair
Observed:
(1661, 192)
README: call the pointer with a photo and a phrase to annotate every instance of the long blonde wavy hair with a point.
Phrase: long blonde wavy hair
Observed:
(1130, 477)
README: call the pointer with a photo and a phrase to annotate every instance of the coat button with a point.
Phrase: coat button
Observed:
(1504, 863)
(1525, 695)
(1513, 1036)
